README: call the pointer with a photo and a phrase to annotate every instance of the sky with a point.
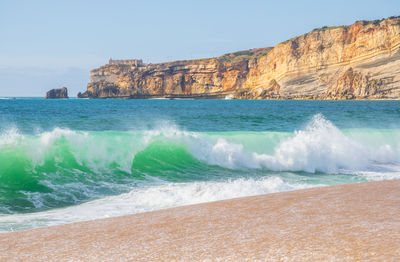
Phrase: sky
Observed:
(50, 44)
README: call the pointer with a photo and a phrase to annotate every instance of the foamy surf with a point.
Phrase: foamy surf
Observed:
(68, 175)
(319, 147)
(149, 198)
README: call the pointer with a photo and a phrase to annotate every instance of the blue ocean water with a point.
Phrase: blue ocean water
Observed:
(71, 160)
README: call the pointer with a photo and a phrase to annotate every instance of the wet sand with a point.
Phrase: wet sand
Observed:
(345, 223)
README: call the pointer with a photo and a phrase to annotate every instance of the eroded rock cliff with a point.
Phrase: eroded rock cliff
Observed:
(361, 61)
(57, 93)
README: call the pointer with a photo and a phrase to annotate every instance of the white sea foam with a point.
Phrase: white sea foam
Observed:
(95, 150)
(321, 147)
(149, 198)
(9, 136)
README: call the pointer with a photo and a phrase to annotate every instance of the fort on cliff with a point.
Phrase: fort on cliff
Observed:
(132, 62)
(360, 61)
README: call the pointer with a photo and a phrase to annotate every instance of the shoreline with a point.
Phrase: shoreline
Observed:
(345, 222)
(221, 98)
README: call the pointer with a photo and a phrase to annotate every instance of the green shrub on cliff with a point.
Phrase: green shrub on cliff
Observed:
(243, 55)
(262, 53)
(324, 28)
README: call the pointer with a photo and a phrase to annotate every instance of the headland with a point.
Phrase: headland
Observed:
(359, 61)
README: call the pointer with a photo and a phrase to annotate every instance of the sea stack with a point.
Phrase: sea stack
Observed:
(57, 93)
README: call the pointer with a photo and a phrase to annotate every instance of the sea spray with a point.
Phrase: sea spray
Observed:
(65, 167)
(319, 147)
(91, 165)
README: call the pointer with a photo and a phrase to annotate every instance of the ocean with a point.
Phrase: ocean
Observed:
(72, 160)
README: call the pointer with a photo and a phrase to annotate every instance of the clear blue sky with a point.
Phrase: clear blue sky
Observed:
(49, 44)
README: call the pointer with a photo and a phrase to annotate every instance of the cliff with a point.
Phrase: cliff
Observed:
(57, 93)
(360, 61)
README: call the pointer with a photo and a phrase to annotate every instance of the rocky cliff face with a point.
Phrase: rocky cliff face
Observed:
(361, 61)
(57, 93)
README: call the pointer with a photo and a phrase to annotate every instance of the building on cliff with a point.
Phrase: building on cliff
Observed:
(134, 62)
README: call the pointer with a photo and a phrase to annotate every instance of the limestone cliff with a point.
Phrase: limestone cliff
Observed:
(361, 61)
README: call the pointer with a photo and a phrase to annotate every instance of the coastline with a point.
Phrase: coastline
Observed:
(359, 61)
(346, 222)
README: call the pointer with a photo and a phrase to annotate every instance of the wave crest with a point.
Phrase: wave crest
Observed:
(321, 146)
(66, 167)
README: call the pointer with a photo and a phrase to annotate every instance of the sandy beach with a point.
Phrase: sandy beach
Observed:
(347, 223)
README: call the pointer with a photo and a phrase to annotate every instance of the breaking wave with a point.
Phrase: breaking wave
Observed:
(168, 167)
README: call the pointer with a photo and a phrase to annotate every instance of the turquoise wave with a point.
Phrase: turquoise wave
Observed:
(67, 167)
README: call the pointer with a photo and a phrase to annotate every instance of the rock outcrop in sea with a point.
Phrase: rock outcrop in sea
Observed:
(57, 93)
(360, 61)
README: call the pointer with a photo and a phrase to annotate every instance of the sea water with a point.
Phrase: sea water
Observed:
(64, 161)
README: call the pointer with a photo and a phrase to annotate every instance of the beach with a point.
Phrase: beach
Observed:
(350, 222)
(200, 131)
